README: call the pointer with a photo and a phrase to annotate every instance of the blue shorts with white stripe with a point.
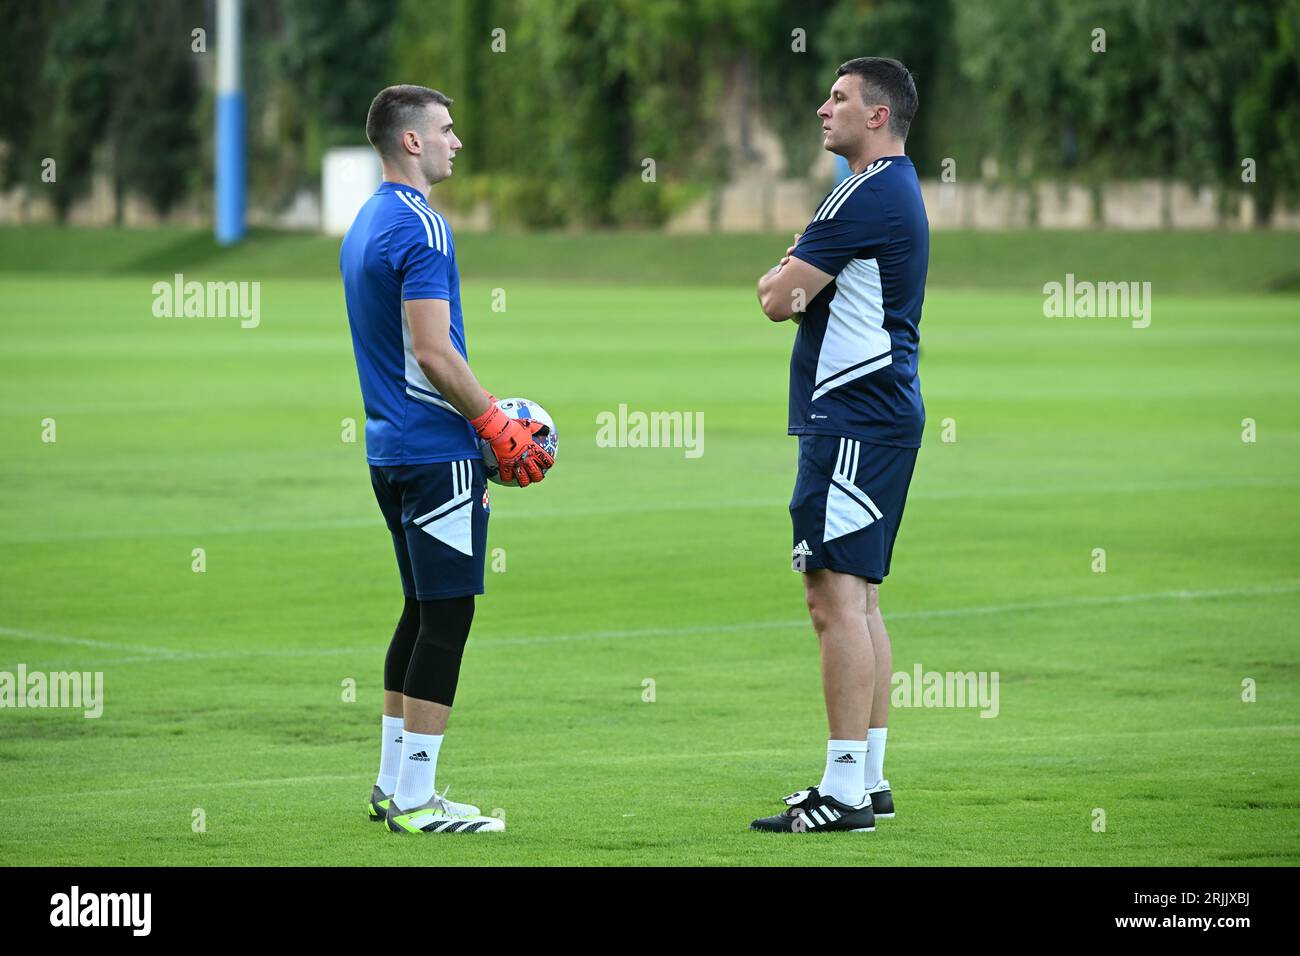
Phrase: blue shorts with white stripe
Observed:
(847, 505)
(438, 516)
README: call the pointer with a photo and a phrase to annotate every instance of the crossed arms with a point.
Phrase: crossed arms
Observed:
(789, 286)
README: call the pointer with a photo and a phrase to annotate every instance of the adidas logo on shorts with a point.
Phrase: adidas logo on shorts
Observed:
(799, 556)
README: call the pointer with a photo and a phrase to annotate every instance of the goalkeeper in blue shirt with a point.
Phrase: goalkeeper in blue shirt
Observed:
(425, 416)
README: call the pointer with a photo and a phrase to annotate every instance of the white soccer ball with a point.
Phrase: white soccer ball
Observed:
(521, 408)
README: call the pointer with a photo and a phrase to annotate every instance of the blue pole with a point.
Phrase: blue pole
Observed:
(230, 152)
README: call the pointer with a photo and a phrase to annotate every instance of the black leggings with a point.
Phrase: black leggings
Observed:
(424, 655)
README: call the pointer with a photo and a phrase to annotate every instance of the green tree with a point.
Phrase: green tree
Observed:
(155, 97)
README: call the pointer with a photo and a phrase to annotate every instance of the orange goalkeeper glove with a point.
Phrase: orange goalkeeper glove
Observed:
(518, 454)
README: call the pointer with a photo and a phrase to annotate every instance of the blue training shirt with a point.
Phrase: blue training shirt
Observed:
(398, 249)
(853, 366)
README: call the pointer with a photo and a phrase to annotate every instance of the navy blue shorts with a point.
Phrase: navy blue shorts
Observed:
(848, 505)
(438, 515)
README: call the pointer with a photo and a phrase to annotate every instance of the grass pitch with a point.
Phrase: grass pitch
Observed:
(225, 690)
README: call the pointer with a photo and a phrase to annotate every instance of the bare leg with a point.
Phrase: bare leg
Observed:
(392, 703)
(838, 605)
(424, 716)
(884, 658)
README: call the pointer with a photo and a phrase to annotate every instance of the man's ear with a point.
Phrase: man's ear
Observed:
(411, 140)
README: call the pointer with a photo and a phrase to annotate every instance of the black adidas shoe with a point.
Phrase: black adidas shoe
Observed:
(810, 812)
(882, 801)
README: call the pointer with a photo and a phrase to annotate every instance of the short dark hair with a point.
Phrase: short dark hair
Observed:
(889, 82)
(394, 110)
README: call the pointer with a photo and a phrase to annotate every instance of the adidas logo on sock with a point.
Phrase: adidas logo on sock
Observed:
(420, 756)
(845, 758)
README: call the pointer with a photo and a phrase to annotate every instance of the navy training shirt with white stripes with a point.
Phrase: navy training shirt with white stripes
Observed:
(853, 367)
(398, 249)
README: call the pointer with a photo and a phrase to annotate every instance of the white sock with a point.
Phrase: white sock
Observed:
(843, 777)
(390, 754)
(874, 772)
(419, 769)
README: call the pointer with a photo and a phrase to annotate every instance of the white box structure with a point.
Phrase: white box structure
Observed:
(349, 176)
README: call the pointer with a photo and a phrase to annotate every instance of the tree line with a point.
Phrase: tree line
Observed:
(560, 102)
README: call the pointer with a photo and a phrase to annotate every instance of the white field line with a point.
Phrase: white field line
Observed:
(146, 654)
(42, 637)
